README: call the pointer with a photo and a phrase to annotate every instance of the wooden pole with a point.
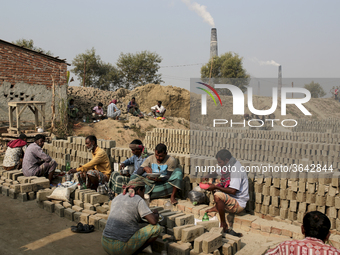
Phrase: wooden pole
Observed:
(212, 60)
(52, 105)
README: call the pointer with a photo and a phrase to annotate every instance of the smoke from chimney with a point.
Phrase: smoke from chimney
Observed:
(201, 10)
(213, 43)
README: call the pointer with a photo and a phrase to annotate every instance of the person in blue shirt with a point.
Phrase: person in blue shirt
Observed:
(117, 180)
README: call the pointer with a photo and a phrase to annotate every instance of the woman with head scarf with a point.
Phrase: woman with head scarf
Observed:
(112, 110)
(122, 234)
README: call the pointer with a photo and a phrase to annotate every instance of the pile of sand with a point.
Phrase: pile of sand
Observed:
(123, 132)
(175, 100)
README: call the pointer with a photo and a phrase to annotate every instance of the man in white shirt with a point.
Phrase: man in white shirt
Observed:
(231, 193)
(158, 110)
(112, 110)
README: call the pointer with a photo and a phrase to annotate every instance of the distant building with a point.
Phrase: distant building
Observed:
(25, 75)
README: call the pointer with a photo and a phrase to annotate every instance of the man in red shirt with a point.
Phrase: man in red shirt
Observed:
(315, 227)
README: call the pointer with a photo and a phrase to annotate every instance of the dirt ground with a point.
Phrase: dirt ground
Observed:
(27, 229)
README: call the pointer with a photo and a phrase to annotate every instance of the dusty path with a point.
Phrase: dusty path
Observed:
(27, 229)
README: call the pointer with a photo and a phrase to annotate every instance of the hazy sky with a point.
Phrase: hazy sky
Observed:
(303, 36)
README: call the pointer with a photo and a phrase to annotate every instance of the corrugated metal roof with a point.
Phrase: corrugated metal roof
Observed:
(36, 52)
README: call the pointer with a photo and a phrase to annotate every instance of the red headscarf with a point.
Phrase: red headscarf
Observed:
(16, 143)
(114, 101)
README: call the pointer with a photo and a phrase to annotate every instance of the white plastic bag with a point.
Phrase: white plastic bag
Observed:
(62, 194)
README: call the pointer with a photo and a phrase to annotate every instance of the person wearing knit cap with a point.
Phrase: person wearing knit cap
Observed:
(112, 110)
(122, 234)
(15, 153)
(117, 180)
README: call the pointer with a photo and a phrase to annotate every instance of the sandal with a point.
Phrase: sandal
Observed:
(233, 233)
(80, 228)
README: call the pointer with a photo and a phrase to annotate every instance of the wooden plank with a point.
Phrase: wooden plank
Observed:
(18, 118)
(28, 134)
(22, 110)
(43, 117)
(31, 109)
(10, 115)
(36, 118)
(36, 107)
(25, 102)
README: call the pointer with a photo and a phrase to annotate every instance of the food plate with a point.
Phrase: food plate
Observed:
(204, 185)
(159, 219)
(153, 175)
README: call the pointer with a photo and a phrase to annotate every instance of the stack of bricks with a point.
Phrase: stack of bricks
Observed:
(15, 185)
(327, 125)
(179, 224)
(177, 140)
(181, 235)
(74, 150)
(87, 207)
(254, 148)
(291, 195)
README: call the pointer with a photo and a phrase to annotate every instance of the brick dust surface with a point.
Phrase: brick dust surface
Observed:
(27, 229)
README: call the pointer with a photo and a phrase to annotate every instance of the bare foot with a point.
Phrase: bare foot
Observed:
(211, 210)
(173, 200)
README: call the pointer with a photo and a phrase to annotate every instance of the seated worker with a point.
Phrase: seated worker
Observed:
(98, 112)
(97, 170)
(158, 110)
(15, 153)
(133, 108)
(36, 162)
(117, 181)
(315, 227)
(171, 177)
(122, 234)
(72, 111)
(112, 110)
(232, 192)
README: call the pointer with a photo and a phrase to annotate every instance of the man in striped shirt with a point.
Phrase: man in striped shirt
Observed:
(315, 227)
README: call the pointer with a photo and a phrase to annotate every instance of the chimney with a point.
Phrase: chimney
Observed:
(213, 43)
(279, 82)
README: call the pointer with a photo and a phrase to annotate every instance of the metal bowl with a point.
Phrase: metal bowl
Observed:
(125, 171)
(153, 175)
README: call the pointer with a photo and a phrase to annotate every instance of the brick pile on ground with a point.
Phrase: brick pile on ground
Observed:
(86, 206)
(74, 150)
(288, 195)
(15, 185)
(331, 125)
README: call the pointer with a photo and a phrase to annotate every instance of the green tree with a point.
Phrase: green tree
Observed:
(97, 73)
(139, 69)
(315, 89)
(227, 68)
(29, 44)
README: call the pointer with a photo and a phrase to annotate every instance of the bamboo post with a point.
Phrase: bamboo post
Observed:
(53, 105)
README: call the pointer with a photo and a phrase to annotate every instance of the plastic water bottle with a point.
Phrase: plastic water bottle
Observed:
(168, 206)
(84, 118)
(68, 166)
(205, 217)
